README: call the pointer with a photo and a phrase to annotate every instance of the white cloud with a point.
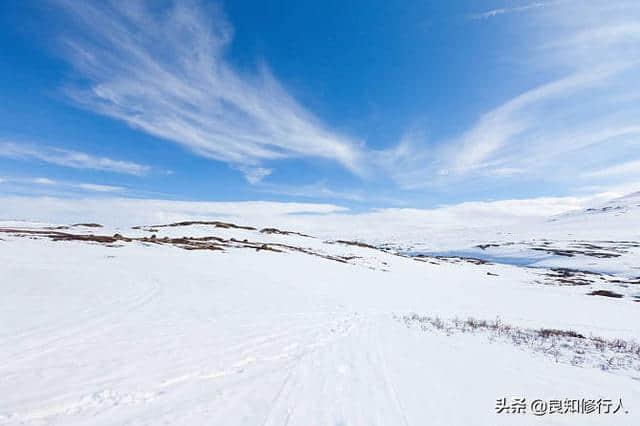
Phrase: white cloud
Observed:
(605, 35)
(507, 171)
(314, 190)
(582, 119)
(627, 187)
(165, 72)
(68, 158)
(501, 11)
(30, 185)
(44, 181)
(255, 175)
(523, 113)
(627, 168)
(127, 211)
(92, 187)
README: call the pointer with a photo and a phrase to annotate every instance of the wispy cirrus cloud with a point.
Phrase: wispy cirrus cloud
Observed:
(318, 190)
(165, 71)
(255, 175)
(501, 11)
(92, 187)
(533, 125)
(31, 185)
(626, 168)
(584, 118)
(69, 158)
(40, 181)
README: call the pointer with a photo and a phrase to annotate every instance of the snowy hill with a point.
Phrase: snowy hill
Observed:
(211, 322)
(609, 215)
(603, 239)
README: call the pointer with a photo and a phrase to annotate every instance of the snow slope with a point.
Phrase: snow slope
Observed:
(604, 238)
(211, 324)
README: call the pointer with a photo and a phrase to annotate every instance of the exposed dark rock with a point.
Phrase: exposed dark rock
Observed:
(606, 293)
(281, 232)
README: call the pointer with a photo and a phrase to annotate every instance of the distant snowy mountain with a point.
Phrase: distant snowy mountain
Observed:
(616, 219)
(628, 204)
(601, 239)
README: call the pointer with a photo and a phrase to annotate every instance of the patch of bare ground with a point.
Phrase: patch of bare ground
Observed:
(606, 293)
(386, 248)
(75, 225)
(281, 232)
(425, 259)
(186, 243)
(437, 260)
(572, 277)
(566, 346)
(598, 249)
(572, 252)
(144, 228)
(459, 259)
(569, 277)
(214, 223)
(341, 259)
(626, 282)
(486, 246)
(356, 243)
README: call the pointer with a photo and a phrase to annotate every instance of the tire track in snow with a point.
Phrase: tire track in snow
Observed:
(101, 322)
(385, 371)
(285, 399)
(352, 367)
(100, 400)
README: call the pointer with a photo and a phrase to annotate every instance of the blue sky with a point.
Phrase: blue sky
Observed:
(363, 104)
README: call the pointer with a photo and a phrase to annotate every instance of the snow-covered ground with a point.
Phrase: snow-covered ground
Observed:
(213, 324)
(604, 239)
